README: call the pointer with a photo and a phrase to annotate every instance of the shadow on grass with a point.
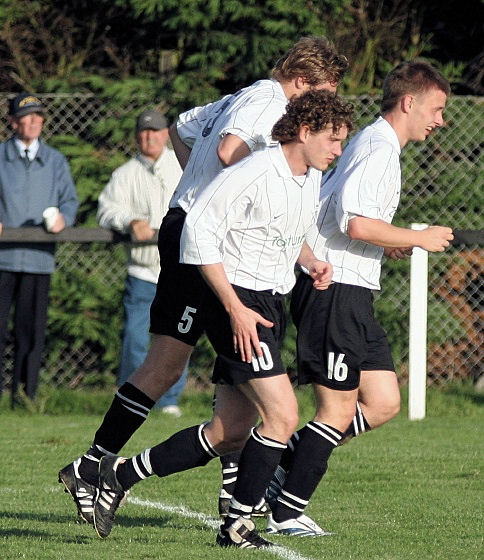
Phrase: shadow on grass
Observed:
(42, 535)
(131, 521)
(167, 521)
(42, 517)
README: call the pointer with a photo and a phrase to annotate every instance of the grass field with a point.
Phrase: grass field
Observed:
(410, 490)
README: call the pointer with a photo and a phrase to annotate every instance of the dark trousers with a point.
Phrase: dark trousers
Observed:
(30, 293)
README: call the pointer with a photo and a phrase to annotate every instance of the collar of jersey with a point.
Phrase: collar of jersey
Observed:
(280, 163)
(385, 128)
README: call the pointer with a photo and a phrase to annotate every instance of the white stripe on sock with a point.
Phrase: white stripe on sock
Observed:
(295, 498)
(145, 459)
(134, 462)
(204, 441)
(230, 470)
(319, 429)
(122, 397)
(266, 441)
(135, 411)
(291, 505)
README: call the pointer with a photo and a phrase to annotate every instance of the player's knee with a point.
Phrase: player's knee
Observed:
(384, 410)
(159, 374)
(281, 427)
(337, 417)
(291, 424)
(392, 407)
(232, 443)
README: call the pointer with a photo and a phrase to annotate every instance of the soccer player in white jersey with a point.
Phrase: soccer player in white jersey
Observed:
(209, 138)
(245, 232)
(342, 350)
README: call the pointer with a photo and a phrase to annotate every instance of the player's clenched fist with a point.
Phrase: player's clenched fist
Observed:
(436, 238)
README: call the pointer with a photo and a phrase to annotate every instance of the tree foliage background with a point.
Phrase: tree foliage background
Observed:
(197, 49)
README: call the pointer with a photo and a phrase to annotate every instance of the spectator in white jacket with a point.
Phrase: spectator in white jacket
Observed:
(135, 200)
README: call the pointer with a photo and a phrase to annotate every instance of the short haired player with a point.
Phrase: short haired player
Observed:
(342, 350)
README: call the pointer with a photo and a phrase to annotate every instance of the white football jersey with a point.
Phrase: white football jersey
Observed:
(253, 217)
(366, 182)
(249, 114)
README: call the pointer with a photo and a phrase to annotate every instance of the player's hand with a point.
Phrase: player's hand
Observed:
(322, 273)
(244, 327)
(142, 230)
(435, 238)
(59, 224)
(397, 253)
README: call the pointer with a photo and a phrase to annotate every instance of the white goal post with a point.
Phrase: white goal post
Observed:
(417, 346)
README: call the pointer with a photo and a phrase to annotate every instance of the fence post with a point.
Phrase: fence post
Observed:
(417, 350)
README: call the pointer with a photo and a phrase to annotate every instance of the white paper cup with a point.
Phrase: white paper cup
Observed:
(50, 215)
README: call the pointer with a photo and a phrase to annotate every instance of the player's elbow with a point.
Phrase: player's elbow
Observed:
(225, 154)
(232, 149)
(355, 229)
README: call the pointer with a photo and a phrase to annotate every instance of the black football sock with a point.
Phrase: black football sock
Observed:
(309, 465)
(358, 425)
(288, 455)
(258, 461)
(184, 450)
(128, 411)
(230, 467)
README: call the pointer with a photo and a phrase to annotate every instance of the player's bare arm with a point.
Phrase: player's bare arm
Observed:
(182, 151)
(321, 272)
(232, 149)
(242, 319)
(378, 232)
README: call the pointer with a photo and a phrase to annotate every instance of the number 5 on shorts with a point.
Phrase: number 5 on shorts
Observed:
(186, 321)
(337, 371)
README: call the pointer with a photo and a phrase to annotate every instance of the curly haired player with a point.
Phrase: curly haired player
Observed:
(245, 233)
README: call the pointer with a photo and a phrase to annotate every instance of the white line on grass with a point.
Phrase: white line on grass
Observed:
(280, 551)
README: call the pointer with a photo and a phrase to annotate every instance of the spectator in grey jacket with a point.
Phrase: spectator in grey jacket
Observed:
(33, 177)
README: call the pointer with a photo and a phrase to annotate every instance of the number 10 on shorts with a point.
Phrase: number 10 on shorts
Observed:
(337, 370)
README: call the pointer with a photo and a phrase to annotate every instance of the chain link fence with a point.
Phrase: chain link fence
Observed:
(442, 180)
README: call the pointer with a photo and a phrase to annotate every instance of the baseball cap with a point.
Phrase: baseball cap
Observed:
(24, 104)
(153, 120)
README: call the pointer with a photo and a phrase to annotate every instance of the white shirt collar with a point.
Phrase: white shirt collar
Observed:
(33, 148)
(282, 165)
(389, 132)
(278, 85)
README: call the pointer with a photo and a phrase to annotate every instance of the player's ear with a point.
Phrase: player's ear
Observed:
(407, 103)
(300, 82)
(303, 133)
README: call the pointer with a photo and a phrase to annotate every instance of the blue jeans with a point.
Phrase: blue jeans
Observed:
(138, 295)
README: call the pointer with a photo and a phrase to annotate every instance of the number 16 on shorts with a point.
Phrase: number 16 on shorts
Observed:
(337, 369)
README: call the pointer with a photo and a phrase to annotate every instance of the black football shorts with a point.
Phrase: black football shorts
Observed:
(229, 368)
(176, 310)
(338, 335)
